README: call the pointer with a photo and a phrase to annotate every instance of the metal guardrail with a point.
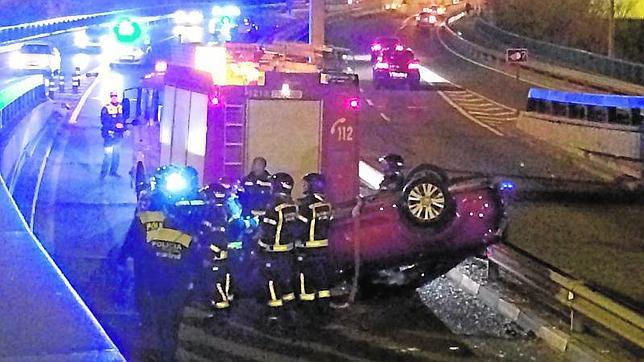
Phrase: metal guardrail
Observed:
(568, 295)
(17, 97)
(565, 56)
(450, 39)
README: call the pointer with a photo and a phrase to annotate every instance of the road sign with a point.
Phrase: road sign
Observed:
(516, 55)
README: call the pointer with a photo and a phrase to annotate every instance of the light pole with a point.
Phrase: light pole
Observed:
(611, 29)
(317, 15)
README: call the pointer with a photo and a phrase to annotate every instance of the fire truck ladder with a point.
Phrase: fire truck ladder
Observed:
(233, 139)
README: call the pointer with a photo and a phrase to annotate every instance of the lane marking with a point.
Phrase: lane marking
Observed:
(417, 107)
(468, 116)
(321, 348)
(386, 343)
(73, 119)
(385, 117)
(369, 102)
(240, 350)
(477, 113)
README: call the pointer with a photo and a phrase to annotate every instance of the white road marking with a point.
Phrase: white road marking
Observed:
(476, 113)
(468, 116)
(73, 119)
(369, 102)
(385, 117)
(369, 175)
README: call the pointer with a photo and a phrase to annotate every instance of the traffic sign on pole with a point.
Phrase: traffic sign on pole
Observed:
(516, 55)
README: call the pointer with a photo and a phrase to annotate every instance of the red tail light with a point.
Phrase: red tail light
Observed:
(382, 66)
(354, 103)
(414, 66)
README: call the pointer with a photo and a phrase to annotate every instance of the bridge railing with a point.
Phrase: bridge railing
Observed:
(496, 58)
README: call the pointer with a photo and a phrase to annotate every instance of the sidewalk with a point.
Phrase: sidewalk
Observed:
(81, 218)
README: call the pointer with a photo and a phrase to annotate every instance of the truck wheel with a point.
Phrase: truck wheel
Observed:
(427, 169)
(139, 179)
(426, 202)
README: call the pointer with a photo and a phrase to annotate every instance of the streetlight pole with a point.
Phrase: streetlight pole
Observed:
(611, 29)
(317, 16)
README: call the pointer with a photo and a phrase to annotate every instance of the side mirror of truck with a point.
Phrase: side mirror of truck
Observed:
(126, 108)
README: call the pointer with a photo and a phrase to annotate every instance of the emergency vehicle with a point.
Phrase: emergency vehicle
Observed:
(220, 107)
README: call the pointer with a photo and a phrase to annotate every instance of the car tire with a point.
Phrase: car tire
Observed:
(427, 169)
(426, 202)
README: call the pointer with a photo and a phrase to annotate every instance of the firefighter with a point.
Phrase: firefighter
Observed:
(277, 233)
(213, 236)
(112, 131)
(239, 230)
(161, 242)
(255, 190)
(393, 178)
(311, 247)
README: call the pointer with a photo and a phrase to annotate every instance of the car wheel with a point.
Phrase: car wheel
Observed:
(427, 169)
(426, 202)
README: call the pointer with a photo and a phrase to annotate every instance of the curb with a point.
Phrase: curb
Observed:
(528, 320)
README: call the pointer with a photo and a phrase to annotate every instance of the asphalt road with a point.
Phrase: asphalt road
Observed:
(82, 220)
(592, 236)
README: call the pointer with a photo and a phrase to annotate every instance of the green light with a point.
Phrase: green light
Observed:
(127, 31)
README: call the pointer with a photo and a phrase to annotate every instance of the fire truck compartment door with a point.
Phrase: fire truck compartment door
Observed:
(183, 128)
(287, 133)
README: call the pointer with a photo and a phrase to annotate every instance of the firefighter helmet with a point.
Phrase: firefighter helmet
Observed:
(392, 162)
(214, 194)
(316, 182)
(282, 183)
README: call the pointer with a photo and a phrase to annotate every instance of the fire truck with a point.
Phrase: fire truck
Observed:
(217, 108)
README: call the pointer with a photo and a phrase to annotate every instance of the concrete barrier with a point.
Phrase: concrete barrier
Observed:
(618, 147)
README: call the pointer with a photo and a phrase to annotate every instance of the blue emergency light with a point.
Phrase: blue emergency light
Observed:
(127, 31)
(506, 185)
(176, 183)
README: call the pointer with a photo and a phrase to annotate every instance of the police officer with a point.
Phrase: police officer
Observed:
(311, 247)
(161, 242)
(112, 130)
(255, 190)
(213, 235)
(277, 233)
(394, 178)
